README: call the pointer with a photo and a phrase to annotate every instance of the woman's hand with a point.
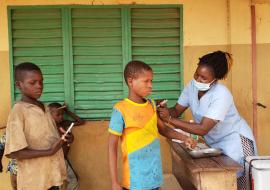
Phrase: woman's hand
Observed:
(161, 103)
(190, 143)
(164, 113)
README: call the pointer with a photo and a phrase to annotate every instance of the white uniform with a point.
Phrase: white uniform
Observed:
(218, 104)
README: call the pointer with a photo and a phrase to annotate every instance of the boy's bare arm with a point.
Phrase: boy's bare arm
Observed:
(27, 153)
(172, 134)
(168, 132)
(113, 145)
(78, 120)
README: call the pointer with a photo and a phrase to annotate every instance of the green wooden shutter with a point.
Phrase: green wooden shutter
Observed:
(97, 57)
(37, 37)
(156, 41)
(82, 51)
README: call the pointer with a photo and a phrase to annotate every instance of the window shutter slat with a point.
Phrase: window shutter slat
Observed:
(97, 54)
(37, 38)
(155, 40)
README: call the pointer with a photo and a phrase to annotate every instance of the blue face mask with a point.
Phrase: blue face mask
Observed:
(202, 86)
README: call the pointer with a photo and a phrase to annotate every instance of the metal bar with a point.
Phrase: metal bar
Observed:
(254, 68)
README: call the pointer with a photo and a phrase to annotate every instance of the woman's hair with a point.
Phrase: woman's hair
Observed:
(133, 68)
(219, 62)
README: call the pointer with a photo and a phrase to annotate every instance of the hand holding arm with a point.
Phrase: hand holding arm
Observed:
(172, 134)
(164, 113)
(175, 111)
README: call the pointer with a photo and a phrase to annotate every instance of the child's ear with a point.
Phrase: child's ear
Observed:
(18, 84)
(129, 81)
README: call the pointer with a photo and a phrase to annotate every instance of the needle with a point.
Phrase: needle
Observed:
(161, 103)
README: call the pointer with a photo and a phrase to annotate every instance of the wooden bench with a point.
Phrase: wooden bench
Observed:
(214, 173)
(170, 183)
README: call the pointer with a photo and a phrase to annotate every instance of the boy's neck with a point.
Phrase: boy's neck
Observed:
(33, 101)
(136, 99)
(29, 100)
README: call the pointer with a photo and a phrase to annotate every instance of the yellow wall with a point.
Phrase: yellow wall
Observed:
(263, 76)
(208, 25)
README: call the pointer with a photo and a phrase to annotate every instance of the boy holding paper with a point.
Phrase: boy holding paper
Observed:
(32, 137)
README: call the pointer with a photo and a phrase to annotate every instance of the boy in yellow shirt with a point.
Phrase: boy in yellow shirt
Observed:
(134, 120)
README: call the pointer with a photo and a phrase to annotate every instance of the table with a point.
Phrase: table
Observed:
(214, 173)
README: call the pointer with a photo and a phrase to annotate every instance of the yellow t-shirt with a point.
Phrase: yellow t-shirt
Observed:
(136, 124)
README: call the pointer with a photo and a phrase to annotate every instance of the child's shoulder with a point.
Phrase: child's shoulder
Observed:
(19, 106)
(18, 110)
(121, 102)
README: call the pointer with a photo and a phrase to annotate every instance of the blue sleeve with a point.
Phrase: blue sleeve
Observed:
(183, 100)
(117, 123)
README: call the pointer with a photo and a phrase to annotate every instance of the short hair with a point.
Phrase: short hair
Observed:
(55, 105)
(133, 68)
(22, 67)
(219, 62)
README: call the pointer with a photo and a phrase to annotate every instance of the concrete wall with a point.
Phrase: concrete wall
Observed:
(208, 25)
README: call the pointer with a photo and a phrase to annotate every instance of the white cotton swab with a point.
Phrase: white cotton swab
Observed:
(69, 129)
(62, 107)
